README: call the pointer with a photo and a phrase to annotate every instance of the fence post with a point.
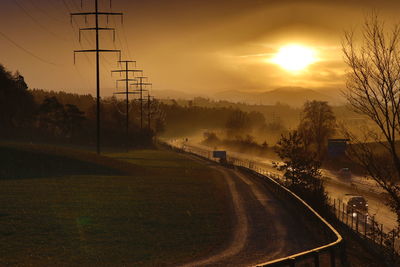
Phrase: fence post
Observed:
(352, 217)
(393, 240)
(343, 253)
(334, 207)
(357, 221)
(343, 206)
(333, 257)
(292, 262)
(365, 226)
(316, 259)
(373, 228)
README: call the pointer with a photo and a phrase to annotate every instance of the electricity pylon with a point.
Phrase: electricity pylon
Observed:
(126, 80)
(96, 13)
(149, 97)
(140, 85)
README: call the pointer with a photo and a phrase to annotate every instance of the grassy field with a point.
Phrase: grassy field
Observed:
(143, 208)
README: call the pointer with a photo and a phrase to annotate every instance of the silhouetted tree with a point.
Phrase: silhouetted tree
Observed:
(51, 116)
(157, 115)
(264, 145)
(301, 167)
(210, 139)
(238, 122)
(16, 103)
(317, 124)
(83, 101)
(73, 120)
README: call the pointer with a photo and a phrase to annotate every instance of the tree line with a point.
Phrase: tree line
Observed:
(48, 116)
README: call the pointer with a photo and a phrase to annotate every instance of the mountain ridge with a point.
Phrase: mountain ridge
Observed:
(293, 96)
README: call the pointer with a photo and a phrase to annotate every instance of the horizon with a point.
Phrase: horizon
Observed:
(282, 96)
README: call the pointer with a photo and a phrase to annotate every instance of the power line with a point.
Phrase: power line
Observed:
(26, 50)
(43, 11)
(118, 37)
(66, 6)
(37, 22)
(125, 39)
(81, 76)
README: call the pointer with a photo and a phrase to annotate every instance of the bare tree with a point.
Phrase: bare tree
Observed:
(237, 123)
(373, 90)
(317, 124)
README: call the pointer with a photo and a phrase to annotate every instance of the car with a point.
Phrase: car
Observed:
(344, 173)
(355, 205)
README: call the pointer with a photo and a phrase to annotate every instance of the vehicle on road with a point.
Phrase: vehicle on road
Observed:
(355, 205)
(344, 173)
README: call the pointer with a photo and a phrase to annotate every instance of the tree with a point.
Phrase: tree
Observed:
(301, 168)
(158, 117)
(51, 116)
(317, 124)
(264, 145)
(16, 103)
(373, 90)
(210, 139)
(237, 123)
(59, 119)
(73, 120)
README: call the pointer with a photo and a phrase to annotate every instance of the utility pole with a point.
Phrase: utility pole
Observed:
(126, 80)
(140, 84)
(97, 28)
(149, 110)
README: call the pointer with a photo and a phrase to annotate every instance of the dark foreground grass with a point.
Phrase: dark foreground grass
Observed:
(174, 211)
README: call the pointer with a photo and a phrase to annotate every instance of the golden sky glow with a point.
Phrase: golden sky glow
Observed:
(294, 57)
(187, 45)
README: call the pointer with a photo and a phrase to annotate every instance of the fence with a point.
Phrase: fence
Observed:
(365, 226)
(322, 256)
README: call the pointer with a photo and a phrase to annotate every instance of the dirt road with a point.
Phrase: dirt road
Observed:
(265, 228)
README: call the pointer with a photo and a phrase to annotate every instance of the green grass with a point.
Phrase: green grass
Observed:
(156, 159)
(171, 210)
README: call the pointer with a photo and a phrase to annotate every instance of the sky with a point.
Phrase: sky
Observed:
(197, 47)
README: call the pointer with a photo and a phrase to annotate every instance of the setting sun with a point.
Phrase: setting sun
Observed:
(294, 57)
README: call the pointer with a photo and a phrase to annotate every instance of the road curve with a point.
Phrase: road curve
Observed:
(265, 227)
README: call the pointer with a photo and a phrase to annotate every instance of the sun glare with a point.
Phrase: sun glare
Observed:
(294, 57)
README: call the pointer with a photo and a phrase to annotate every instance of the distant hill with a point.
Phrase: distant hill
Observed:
(293, 96)
(172, 94)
